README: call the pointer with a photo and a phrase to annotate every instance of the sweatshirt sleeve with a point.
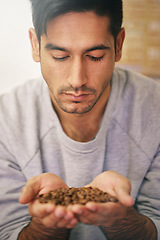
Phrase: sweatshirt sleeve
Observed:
(148, 200)
(14, 216)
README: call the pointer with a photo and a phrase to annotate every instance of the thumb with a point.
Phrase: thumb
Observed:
(30, 190)
(123, 195)
(28, 193)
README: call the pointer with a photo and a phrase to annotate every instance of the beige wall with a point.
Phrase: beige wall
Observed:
(142, 45)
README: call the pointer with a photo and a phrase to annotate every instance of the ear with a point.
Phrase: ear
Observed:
(34, 44)
(119, 44)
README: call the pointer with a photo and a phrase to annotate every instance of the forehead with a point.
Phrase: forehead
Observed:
(72, 27)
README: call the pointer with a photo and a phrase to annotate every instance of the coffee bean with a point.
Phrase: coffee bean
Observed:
(67, 196)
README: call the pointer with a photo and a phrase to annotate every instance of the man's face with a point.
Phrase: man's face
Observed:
(77, 59)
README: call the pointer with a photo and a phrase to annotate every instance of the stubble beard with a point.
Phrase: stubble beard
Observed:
(79, 109)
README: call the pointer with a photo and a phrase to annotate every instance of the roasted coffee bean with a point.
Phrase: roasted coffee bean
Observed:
(67, 196)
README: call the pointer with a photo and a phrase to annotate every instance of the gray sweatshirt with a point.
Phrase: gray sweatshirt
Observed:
(32, 142)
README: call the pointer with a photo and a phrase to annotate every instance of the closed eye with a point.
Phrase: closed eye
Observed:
(60, 58)
(96, 59)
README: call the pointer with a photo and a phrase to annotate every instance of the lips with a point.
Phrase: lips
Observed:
(77, 98)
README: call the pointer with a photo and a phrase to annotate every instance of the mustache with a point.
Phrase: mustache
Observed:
(83, 89)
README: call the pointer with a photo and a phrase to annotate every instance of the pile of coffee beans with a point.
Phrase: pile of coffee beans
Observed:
(67, 196)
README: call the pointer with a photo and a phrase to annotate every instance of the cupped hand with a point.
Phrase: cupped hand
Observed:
(40, 184)
(116, 185)
(105, 214)
(48, 214)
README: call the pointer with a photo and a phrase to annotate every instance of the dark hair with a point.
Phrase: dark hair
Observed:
(45, 10)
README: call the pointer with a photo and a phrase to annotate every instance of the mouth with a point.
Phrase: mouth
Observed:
(77, 97)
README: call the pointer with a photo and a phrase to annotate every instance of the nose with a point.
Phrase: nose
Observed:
(77, 77)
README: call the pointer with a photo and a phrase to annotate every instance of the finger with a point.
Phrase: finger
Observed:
(76, 209)
(123, 193)
(28, 193)
(72, 223)
(99, 212)
(60, 218)
(40, 210)
(86, 216)
(102, 208)
(91, 206)
(49, 216)
(127, 201)
(68, 220)
(30, 190)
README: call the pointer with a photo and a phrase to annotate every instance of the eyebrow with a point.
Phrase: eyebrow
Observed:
(50, 46)
(97, 47)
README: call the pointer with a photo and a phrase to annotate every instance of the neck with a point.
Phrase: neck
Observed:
(83, 127)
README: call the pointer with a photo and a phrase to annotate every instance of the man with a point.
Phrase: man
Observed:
(91, 125)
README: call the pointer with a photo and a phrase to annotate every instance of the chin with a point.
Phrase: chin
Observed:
(77, 109)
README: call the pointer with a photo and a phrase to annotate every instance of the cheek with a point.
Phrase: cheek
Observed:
(49, 71)
(101, 75)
